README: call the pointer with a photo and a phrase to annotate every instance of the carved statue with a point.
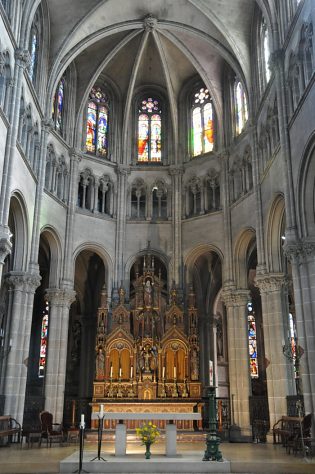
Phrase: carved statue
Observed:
(148, 294)
(100, 364)
(194, 365)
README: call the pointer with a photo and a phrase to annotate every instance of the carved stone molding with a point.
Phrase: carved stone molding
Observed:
(271, 282)
(5, 248)
(22, 281)
(150, 23)
(75, 154)
(235, 298)
(47, 124)
(299, 251)
(277, 59)
(123, 170)
(176, 170)
(22, 58)
(60, 297)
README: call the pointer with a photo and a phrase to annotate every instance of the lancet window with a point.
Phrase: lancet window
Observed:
(252, 341)
(149, 130)
(97, 123)
(43, 341)
(202, 122)
(58, 106)
(34, 49)
(241, 110)
(138, 200)
(5, 82)
(159, 201)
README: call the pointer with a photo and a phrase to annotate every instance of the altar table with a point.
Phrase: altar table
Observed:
(171, 431)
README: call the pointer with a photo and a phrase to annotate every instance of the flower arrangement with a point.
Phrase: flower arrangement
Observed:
(148, 433)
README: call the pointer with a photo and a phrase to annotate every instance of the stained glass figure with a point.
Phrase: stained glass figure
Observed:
(292, 337)
(149, 131)
(252, 342)
(202, 123)
(241, 110)
(97, 123)
(33, 53)
(43, 342)
(58, 106)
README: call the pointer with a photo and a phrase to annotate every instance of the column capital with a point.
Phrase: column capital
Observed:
(22, 281)
(123, 170)
(271, 282)
(176, 170)
(47, 124)
(234, 297)
(22, 58)
(5, 244)
(60, 297)
(75, 154)
(299, 251)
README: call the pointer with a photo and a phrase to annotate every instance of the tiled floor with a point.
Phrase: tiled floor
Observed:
(245, 458)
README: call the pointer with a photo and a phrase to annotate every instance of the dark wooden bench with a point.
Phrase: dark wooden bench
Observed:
(10, 428)
(284, 428)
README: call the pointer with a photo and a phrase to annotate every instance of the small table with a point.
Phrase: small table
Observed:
(171, 430)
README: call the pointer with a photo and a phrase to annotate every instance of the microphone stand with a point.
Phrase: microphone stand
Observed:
(99, 439)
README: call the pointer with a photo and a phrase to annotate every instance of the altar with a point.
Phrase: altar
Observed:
(147, 351)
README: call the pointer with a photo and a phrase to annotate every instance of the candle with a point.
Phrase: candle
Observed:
(119, 372)
(163, 373)
(111, 371)
(82, 421)
(210, 373)
(102, 411)
(131, 372)
(174, 372)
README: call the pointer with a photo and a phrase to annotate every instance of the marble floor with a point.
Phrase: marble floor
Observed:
(244, 458)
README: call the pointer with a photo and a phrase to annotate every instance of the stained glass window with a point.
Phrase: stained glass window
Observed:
(33, 53)
(292, 339)
(58, 105)
(202, 123)
(97, 123)
(266, 50)
(241, 110)
(149, 131)
(43, 342)
(252, 341)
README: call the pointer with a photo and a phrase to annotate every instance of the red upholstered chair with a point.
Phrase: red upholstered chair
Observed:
(49, 430)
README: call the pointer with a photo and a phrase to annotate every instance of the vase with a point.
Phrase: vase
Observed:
(147, 450)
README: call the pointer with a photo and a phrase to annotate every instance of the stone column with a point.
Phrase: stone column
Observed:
(237, 335)
(122, 172)
(46, 128)
(22, 60)
(59, 304)
(279, 371)
(176, 175)
(302, 257)
(73, 190)
(22, 287)
(95, 204)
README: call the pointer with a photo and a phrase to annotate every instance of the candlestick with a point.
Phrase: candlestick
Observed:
(174, 372)
(163, 373)
(210, 373)
(101, 411)
(131, 372)
(111, 371)
(82, 424)
(120, 372)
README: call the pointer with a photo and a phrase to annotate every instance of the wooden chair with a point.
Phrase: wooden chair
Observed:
(301, 437)
(48, 431)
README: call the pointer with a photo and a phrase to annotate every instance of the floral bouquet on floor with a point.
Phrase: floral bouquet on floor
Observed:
(148, 433)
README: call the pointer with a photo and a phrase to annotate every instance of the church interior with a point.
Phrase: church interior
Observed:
(157, 210)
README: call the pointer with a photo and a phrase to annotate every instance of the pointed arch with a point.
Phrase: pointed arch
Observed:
(274, 230)
(241, 249)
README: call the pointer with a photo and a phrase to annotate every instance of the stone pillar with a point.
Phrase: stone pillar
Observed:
(59, 303)
(122, 172)
(176, 175)
(302, 257)
(279, 371)
(95, 204)
(22, 287)
(73, 190)
(46, 127)
(237, 335)
(22, 60)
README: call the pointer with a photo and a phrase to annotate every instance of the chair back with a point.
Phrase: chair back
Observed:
(307, 424)
(46, 420)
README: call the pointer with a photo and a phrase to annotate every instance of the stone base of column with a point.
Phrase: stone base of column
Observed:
(240, 435)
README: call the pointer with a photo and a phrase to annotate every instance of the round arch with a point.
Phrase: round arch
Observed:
(19, 215)
(243, 241)
(275, 218)
(155, 253)
(102, 253)
(55, 247)
(194, 254)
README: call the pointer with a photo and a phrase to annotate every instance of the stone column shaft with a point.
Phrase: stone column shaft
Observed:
(121, 224)
(60, 301)
(237, 335)
(176, 174)
(279, 371)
